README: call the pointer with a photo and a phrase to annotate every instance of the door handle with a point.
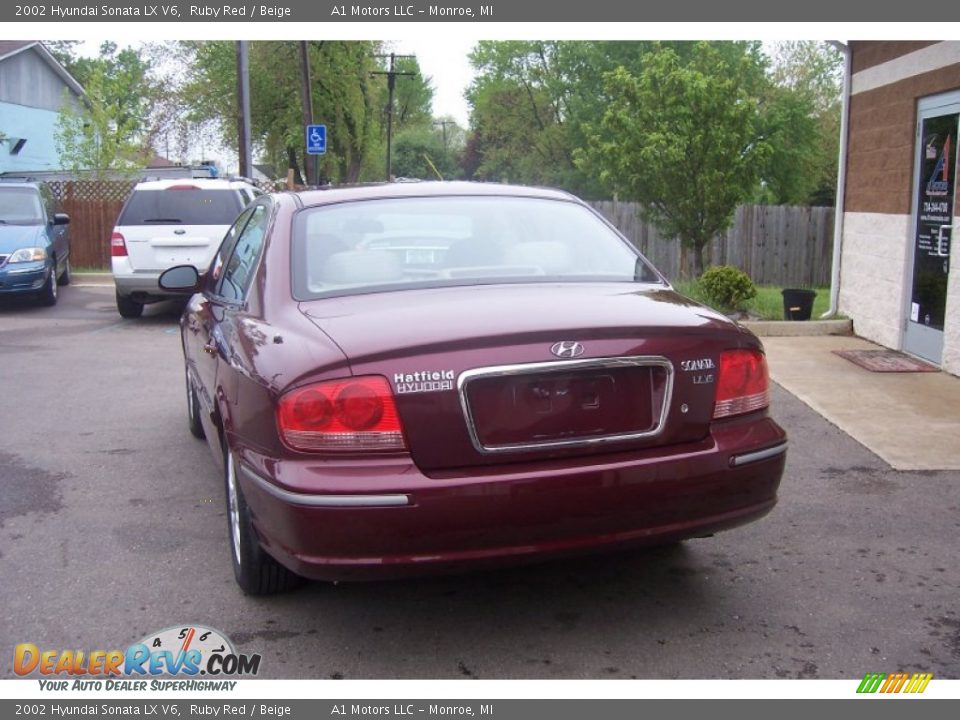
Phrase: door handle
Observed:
(940, 241)
(210, 348)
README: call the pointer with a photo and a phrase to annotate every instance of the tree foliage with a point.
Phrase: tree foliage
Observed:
(346, 98)
(807, 75)
(114, 127)
(684, 138)
(532, 100)
(425, 150)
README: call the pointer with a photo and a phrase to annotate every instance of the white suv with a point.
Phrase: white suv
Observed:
(166, 223)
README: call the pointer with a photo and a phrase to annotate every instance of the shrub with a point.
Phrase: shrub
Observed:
(727, 288)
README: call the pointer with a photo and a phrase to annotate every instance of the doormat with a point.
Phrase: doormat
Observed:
(886, 361)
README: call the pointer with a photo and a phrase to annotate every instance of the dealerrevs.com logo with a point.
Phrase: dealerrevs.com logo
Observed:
(187, 651)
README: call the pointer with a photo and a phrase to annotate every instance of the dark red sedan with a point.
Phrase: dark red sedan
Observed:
(424, 377)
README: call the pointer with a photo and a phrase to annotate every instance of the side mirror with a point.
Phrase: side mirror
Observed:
(180, 279)
(61, 219)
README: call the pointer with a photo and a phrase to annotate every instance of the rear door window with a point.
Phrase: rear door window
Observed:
(239, 268)
(176, 206)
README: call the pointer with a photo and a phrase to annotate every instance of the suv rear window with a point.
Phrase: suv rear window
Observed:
(181, 206)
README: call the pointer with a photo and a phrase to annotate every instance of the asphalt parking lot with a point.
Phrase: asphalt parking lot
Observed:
(112, 525)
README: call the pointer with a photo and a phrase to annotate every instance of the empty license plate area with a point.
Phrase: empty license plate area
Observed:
(558, 406)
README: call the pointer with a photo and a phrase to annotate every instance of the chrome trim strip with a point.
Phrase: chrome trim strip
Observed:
(332, 501)
(565, 366)
(770, 452)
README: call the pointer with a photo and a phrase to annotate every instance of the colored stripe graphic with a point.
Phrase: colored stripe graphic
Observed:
(894, 682)
(871, 682)
(918, 683)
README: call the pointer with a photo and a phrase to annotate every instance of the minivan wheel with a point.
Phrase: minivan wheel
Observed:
(65, 276)
(48, 293)
(128, 308)
(255, 571)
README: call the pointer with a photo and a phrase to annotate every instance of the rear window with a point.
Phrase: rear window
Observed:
(181, 207)
(391, 244)
(20, 206)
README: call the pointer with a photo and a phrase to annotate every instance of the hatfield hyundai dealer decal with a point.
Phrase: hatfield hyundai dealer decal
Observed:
(182, 651)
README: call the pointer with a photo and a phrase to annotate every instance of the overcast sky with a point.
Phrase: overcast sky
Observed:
(444, 60)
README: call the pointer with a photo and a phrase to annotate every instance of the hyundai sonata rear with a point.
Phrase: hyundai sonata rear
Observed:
(435, 377)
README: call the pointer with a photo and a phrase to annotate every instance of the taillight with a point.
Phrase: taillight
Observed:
(742, 384)
(351, 415)
(118, 245)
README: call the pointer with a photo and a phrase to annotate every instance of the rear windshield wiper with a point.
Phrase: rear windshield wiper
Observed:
(163, 220)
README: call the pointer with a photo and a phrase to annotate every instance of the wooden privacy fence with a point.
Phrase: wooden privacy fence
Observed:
(93, 207)
(775, 245)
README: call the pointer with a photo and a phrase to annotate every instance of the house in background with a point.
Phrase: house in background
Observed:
(33, 88)
(899, 209)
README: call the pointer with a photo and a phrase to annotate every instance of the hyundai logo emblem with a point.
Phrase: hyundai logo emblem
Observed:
(567, 349)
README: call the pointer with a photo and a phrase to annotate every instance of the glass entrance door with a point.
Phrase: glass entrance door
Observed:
(934, 205)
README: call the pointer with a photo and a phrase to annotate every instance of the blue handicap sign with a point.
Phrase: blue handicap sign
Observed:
(316, 139)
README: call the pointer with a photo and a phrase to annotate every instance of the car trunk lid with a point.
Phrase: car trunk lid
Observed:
(478, 380)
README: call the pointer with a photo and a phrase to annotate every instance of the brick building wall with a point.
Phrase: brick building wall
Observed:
(888, 80)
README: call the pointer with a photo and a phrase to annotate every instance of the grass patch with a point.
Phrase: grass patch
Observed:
(767, 305)
(88, 269)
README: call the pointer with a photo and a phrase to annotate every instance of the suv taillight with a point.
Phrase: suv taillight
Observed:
(742, 384)
(351, 415)
(118, 245)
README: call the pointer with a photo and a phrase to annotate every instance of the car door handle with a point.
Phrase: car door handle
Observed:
(210, 348)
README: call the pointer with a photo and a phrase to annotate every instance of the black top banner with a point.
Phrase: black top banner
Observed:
(298, 11)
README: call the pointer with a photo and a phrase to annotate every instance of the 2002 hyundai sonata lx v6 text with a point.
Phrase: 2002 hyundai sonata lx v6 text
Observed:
(427, 377)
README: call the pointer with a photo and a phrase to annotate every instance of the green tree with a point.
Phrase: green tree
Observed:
(683, 137)
(804, 106)
(113, 128)
(345, 96)
(520, 108)
(423, 150)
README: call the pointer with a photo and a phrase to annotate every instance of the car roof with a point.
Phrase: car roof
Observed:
(19, 183)
(426, 189)
(200, 183)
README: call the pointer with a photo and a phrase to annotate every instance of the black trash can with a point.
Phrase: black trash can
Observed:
(797, 303)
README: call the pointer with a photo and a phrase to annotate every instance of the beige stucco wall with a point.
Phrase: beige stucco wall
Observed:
(872, 266)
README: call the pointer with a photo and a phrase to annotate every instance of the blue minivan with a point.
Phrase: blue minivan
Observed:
(34, 241)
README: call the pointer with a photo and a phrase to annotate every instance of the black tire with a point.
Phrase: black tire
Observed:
(66, 275)
(48, 293)
(128, 308)
(255, 571)
(193, 411)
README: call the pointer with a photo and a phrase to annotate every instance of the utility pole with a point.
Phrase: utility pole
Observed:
(391, 81)
(311, 163)
(243, 95)
(443, 124)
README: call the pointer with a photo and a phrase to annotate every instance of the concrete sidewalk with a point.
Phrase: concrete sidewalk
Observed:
(911, 420)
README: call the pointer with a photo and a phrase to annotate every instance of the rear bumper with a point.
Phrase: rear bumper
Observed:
(376, 519)
(142, 286)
